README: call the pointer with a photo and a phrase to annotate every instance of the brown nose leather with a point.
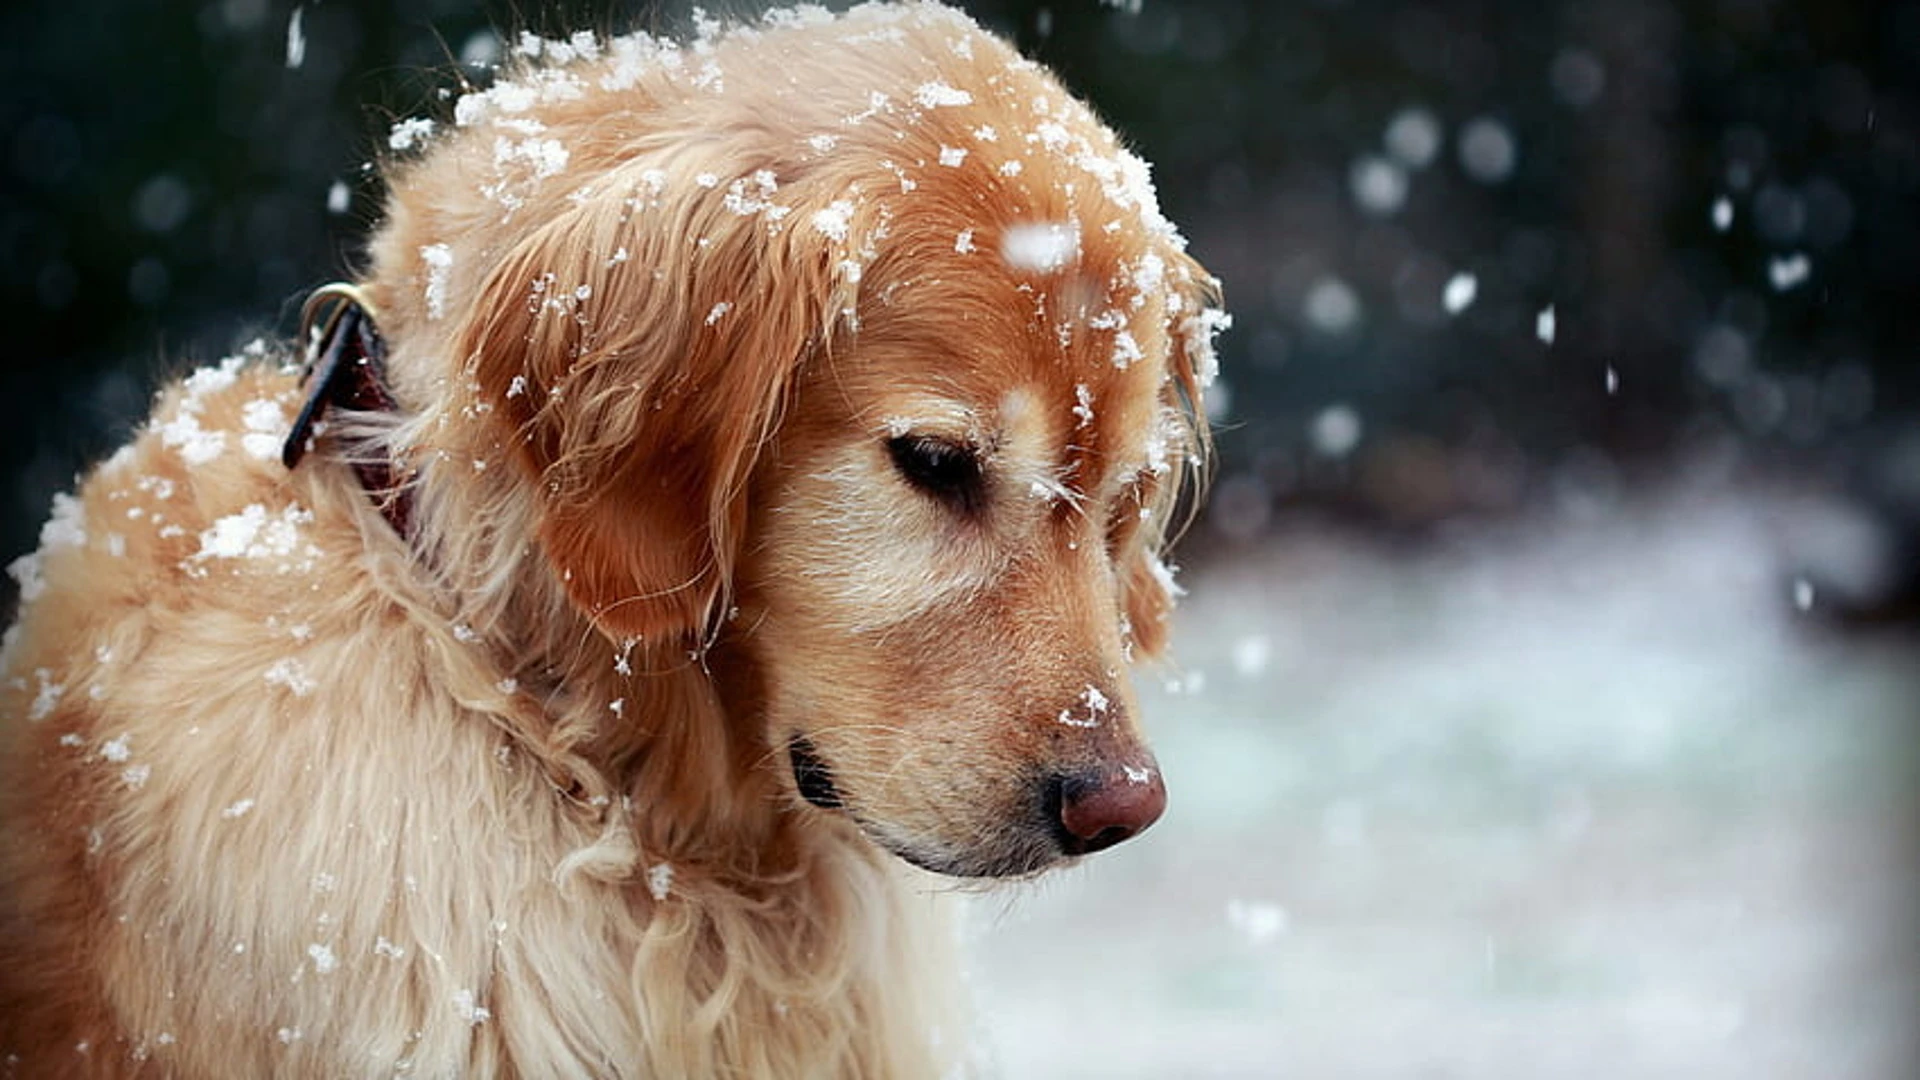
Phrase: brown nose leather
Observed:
(1099, 809)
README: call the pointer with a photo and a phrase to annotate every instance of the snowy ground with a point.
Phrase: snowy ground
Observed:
(1586, 798)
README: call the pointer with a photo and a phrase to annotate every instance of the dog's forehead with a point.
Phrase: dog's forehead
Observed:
(973, 346)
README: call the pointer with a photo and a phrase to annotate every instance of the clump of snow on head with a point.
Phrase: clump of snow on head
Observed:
(1042, 247)
(935, 95)
(835, 220)
(754, 195)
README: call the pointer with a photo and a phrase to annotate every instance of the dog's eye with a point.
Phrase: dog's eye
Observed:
(946, 471)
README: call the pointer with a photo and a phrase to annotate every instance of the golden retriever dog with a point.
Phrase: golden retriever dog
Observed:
(746, 500)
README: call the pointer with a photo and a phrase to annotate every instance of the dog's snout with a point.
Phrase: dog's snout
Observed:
(1097, 809)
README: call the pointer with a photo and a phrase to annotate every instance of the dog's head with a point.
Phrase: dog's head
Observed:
(861, 351)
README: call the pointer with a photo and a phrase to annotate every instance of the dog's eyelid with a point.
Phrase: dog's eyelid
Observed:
(941, 467)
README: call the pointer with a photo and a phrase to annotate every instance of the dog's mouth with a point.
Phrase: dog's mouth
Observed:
(1016, 856)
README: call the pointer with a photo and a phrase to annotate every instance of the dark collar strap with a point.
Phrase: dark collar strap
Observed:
(345, 367)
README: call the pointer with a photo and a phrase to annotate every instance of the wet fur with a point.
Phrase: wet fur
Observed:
(514, 798)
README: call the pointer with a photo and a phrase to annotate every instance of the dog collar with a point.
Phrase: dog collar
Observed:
(345, 366)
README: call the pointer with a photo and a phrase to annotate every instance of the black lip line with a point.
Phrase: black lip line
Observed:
(812, 775)
(814, 779)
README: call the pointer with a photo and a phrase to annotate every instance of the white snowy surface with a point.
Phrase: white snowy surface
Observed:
(1589, 797)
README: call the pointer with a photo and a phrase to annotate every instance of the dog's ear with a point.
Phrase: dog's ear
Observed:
(636, 352)
(1193, 317)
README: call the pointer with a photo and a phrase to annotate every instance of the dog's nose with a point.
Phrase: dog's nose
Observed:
(1100, 808)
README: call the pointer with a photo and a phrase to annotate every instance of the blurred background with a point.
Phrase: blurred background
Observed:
(1548, 690)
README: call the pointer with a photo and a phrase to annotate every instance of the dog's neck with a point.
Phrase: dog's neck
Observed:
(604, 718)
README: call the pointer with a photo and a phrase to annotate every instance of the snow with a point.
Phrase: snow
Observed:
(267, 424)
(1251, 655)
(546, 157)
(1260, 922)
(1335, 431)
(439, 260)
(196, 445)
(936, 94)
(1083, 405)
(1487, 150)
(952, 156)
(296, 39)
(1043, 247)
(1460, 292)
(1197, 335)
(1722, 214)
(1378, 185)
(466, 1006)
(1413, 137)
(835, 221)
(1163, 574)
(408, 133)
(238, 809)
(754, 195)
(660, 880)
(1094, 700)
(46, 695)
(116, 750)
(291, 674)
(1788, 271)
(1331, 306)
(1606, 752)
(1546, 325)
(963, 242)
(1802, 594)
(254, 533)
(719, 311)
(1612, 380)
(323, 959)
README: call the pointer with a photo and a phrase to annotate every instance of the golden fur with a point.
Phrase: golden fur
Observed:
(285, 794)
